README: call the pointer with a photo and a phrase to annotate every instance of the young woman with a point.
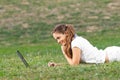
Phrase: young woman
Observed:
(77, 49)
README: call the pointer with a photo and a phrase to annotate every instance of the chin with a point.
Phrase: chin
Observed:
(63, 44)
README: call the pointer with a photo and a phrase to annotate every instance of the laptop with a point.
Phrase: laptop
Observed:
(22, 58)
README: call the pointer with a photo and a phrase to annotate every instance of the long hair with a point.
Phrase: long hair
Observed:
(69, 30)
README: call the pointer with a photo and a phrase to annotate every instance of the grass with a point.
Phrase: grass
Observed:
(38, 57)
(26, 26)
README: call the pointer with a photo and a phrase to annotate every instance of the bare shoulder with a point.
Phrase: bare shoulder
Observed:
(75, 48)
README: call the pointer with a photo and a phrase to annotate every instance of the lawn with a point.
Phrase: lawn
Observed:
(26, 26)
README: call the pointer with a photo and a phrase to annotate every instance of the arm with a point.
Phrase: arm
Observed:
(75, 60)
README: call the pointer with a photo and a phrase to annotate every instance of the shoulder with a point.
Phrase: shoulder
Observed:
(78, 41)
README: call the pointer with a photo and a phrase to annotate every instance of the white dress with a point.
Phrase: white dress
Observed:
(91, 54)
(113, 53)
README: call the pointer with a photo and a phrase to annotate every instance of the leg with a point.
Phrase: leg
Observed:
(113, 53)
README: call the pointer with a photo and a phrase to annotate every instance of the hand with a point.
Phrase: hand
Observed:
(52, 64)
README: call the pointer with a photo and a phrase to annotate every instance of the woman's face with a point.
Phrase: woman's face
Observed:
(61, 38)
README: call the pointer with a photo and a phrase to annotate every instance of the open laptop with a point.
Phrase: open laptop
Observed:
(22, 58)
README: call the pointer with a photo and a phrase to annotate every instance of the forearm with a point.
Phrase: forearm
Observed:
(69, 60)
(75, 60)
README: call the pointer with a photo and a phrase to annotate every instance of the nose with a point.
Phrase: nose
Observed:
(58, 41)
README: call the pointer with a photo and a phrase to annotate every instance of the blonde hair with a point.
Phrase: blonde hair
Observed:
(69, 30)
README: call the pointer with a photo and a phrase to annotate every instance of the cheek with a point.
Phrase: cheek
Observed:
(64, 39)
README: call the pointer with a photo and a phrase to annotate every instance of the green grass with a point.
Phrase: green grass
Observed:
(38, 57)
(26, 26)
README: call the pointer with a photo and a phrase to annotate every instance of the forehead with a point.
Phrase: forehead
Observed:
(56, 34)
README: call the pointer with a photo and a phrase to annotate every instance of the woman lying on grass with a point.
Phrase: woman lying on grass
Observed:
(77, 49)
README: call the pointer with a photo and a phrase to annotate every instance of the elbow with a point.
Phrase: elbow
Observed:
(74, 63)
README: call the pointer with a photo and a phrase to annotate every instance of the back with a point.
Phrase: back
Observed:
(90, 54)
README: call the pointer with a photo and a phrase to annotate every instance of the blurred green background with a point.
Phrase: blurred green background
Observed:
(31, 22)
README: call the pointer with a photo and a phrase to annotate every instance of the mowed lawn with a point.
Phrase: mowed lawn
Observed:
(26, 26)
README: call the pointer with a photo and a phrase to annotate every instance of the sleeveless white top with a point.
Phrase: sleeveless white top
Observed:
(90, 54)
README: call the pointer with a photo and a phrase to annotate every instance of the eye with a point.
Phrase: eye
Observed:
(57, 38)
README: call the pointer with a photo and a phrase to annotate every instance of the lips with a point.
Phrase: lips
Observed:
(62, 43)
